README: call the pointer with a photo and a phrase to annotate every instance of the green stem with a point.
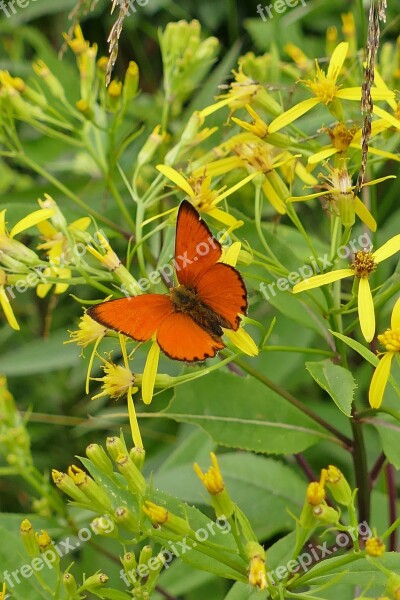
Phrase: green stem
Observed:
(361, 470)
(298, 349)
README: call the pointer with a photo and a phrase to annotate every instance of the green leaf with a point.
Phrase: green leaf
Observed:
(40, 356)
(243, 413)
(362, 350)
(389, 433)
(242, 591)
(112, 594)
(337, 381)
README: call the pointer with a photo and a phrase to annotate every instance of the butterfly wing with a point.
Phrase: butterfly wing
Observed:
(222, 289)
(138, 317)
(196, 249)
(180, 338)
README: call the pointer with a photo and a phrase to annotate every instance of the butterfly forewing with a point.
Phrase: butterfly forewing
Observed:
(196, 250)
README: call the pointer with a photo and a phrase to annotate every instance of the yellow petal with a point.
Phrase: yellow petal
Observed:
(219, 167)
(3, 221)
(387, 116)
(7, 309)
(366, 311)
(209, 110)
(242, 340)
(81, 224)
(176, 178)
(223, 217)
(33, 219)
(363, 213)
(306, 197)
(318, 280)
(379, 380)
(322, 155)
(351, 93)
(395, 321)
(304, 175)
(273, 197)
(150, 372)
(391, 247)
(337, 59)
(383, 153)
(47, 229)
(136, 436)
(235, 187)
(292, 114)
(43, 289)
(230, 255)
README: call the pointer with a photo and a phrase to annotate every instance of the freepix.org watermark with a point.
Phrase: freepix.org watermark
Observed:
(315, 267)
(277, 7)
(131, 5)
(11, 7)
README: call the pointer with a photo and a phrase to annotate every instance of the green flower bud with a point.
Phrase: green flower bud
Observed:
(104, 526)
(94, 582)
(70, 584)
(138, 456)
(116, 446)
(338, 486)
(133, 476)
(98, 456)
(66, 484)
(29, 539)
(326, 514)
(125, 517)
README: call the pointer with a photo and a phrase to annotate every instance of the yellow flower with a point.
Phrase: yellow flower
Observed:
(212, 479)
(198, 189)
(11, 246)
(315, 493)
(338, 190)
(363, 266)
(326, 91)
(116, 381)
(391, 341)
(5, 303)
(374, 546)
(3, 593)
(89, 331)
(257, 566)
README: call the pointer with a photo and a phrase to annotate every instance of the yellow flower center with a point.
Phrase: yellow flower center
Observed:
(257, 572)
(213, 481)
(158, 515)
(363, 264)
(341, 136)
(204, 196)
(256, 156)
(323, 87)
(391, 339)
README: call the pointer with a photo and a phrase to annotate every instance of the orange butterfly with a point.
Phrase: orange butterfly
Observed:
(187, 322)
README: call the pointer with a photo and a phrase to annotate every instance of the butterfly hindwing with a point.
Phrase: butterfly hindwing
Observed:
(180, 338)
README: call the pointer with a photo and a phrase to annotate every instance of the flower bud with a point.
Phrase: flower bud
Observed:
(90, 489)
(145, 555)
(393, 586)
(214, 484)
(116, 446)
(66, 484)
(125, 517)
(53, 84)
(161, 517)
(70, 584)
(131, 83)
(150, 146)
(257, 566)
(326, 514)
(104, 526)
(338, 486)
(47, 547)
(98, 456)
(315, 493)
(129, 470)
(138, 456)
(94, 582)
(29, 539)
(129, 562)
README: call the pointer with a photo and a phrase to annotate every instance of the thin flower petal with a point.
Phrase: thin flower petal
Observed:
(273, 197)
(33, 219)
(380, 379)
(306, 197)
(387, 250)
(242, 340)
(337, 59)
(235, 187)
(366, 311)
(318, 280)
(304, 175)
(209, 110)
(136, 436)
(383, 153)
(150, 372)
(395, 320)
(322, 155)
(177, 178)
(386, 116)
(230, 255)
(223, 217)
(80, 224)
(220, 167)
(292, 114)
(363, 213)
(7, 309)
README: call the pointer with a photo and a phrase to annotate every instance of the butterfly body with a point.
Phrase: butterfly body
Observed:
(188, 322)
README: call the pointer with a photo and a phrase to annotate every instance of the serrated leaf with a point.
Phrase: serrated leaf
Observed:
(337, 381)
